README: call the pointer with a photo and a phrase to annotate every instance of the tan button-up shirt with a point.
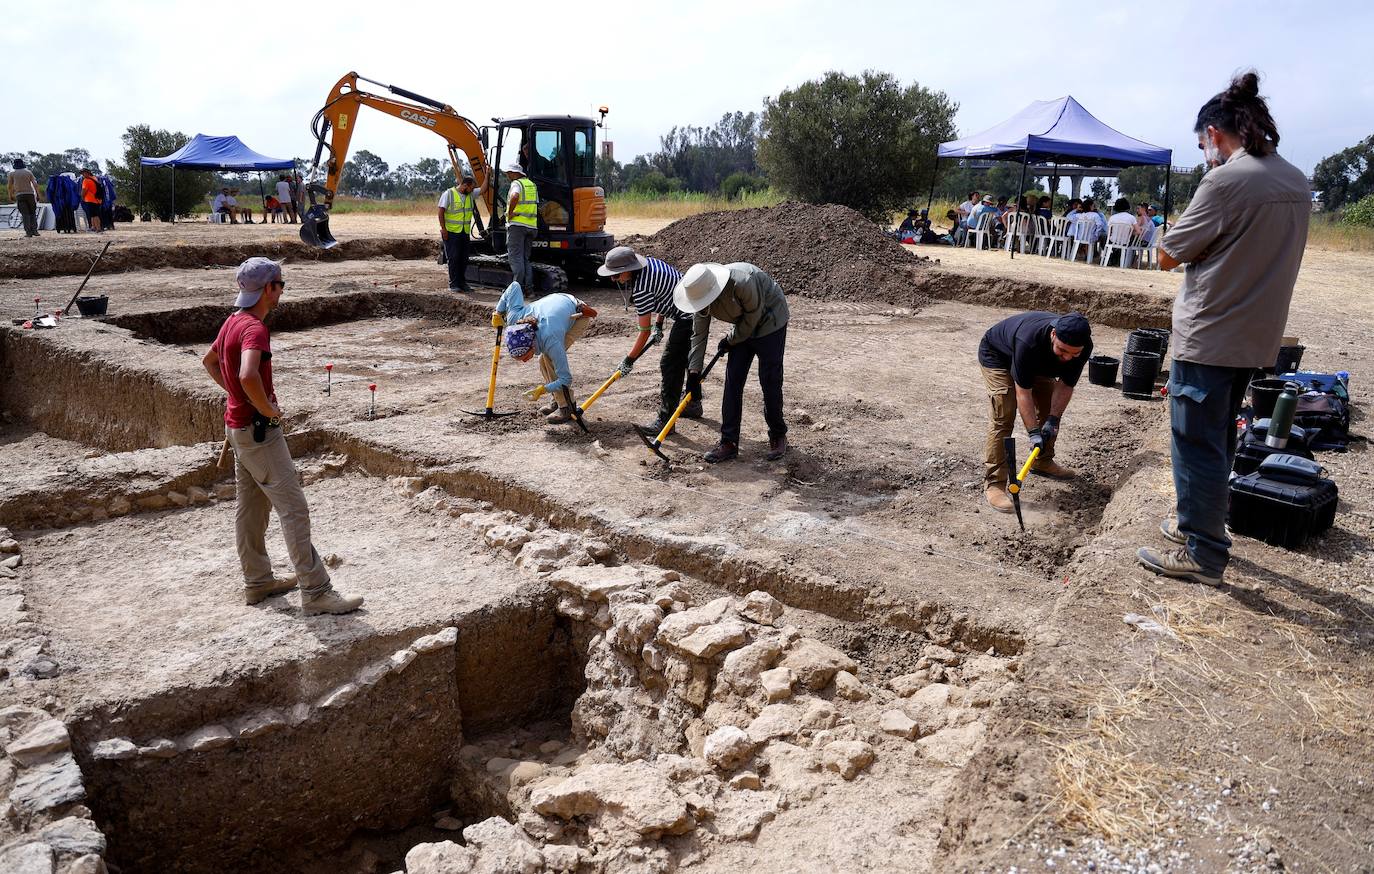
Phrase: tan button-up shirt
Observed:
(1242, 238)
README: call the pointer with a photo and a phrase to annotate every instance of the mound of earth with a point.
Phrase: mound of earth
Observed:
(829, 252)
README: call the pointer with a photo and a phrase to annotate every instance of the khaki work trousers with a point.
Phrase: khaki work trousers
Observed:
(267, 480)
(1002, 396)
(575, 331)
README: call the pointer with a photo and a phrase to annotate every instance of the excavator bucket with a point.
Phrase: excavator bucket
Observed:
(315, 228)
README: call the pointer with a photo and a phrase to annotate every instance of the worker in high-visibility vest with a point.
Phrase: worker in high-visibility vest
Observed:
(457, 210)
(522, 222)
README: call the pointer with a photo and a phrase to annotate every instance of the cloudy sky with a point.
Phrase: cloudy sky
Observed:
(261, 69)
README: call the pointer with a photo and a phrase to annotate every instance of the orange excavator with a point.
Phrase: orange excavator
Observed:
(558, 152)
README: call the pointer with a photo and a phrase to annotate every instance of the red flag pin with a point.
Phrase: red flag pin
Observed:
(328, 377)
(372, 406)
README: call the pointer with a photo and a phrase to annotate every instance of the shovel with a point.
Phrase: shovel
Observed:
(1014, 480)
(656, 442)
(489, 413)
(612, 380)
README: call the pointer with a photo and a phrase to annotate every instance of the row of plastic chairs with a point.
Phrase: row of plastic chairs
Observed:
(1054, 234)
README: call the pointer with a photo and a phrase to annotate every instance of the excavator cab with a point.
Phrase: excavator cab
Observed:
(558, 153)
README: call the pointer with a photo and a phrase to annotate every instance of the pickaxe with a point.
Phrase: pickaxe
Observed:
(491, 384)
(1015, 477)
(613, 377)
(656, 442)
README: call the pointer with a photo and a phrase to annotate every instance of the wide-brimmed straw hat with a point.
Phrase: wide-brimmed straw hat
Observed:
(622, 259)
(700, 285)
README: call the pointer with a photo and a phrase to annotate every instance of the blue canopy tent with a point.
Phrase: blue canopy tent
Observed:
(211, 153)
(1054, 132)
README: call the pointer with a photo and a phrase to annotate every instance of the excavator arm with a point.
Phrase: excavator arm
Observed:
(333, 128)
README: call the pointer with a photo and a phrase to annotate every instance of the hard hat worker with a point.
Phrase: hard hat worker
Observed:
(548, 326)
(754, 305)
(240, 362)
(1030, 363)
(522, 222)
(457, 208)
(651, 284)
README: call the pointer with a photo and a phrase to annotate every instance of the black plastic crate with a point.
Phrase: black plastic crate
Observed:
(1281, 513)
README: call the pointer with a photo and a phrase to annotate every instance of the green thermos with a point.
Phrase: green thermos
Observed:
(1281, 420)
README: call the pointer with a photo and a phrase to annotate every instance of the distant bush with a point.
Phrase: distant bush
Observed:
(655, 183)
(1360, 214)
(737, 184)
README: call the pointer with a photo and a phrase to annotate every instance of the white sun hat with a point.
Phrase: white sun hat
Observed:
(700, 285)
(512, 165)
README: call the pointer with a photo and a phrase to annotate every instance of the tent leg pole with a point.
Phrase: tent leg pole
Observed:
(935, 174)
(1020, 196)
(174, 194)
(140, 186)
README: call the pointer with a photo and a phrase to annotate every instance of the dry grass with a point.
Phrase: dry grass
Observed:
(1326, 232)
(677, 206)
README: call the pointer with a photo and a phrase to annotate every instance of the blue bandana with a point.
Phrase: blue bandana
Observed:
(519, 340)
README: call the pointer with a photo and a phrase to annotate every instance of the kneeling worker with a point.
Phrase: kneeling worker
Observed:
(651, 287)
(1030, 363)
(548, 326)
(754, 305)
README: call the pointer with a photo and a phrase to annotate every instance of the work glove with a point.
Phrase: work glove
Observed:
(723, 345)
(536, 393)
(626, 366)
(497, 320)
(656, 333)
(694, 384)
(1050, 429)
(1037, 439)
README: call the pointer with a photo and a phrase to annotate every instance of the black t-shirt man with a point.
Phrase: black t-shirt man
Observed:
(1023, 345)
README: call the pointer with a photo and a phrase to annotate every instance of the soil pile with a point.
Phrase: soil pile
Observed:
(829, 252)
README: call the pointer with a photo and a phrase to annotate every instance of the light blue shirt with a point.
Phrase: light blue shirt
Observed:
(979, 210)
(554, 316)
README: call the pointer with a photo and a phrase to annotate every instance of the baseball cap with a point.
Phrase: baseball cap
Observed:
(253, 276)
(1073, 330)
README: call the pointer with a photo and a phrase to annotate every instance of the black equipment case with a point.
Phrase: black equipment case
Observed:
(1283, 503)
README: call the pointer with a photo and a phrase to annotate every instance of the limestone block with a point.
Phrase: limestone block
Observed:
(908, 684)
(114, 749)
(152, 502)
(777, 683)
(728, 747)
(774, 721)
(710, 641)
(574, 607)
(898, 723)
(819, 714)
(197, 494)
(259, 724)
(338, 697)
(848, 687)
(74, 836)
(525, 772)
(120, 505)
(815, 663)
(676, 592)
(48, 784)
(632, 625)
(743, 667)
(372, 674)
(634, 792)
(444, 857)
(930, 707)
(206, 738)
(511, 537)
(596, 582)
(223, 491)
(740, 814)
(847, 757)
(746, 780)
(503, 848)
(761, 607)
(158, 748)
(792, 770)
(9, 546)
(33, 857)
(953, 746)
(680, 625)
(178, 499)
(944, 656)
(42, 741)
(88, 864)
(563, 859)
(437, 641)
(14, 561)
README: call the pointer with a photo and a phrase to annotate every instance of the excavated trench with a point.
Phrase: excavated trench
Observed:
(289, 771)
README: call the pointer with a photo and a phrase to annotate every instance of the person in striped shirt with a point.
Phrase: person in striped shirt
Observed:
(651, 284)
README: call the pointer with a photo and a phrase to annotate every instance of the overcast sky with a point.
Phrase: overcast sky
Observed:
(1141, 67)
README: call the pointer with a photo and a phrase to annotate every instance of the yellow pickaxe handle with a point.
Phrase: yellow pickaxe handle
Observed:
(672, 420)
(599, 392)
(1025, 469)
(491, 383)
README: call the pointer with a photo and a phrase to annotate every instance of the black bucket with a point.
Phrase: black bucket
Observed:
(1263, 395)
(1102, 370)
(1163, 335)
(92, 306)
(1290, 357)
(1138, 372)
(1145, 340)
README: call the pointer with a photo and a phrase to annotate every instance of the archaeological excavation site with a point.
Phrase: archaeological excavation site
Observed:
(575, 657)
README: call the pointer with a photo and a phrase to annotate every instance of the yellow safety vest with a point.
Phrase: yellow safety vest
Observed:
(458, 215)
(526, 212)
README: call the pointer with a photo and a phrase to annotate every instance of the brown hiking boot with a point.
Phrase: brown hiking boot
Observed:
(998, 499)
(548, 408)
(256, 593)
(559, 416)
(1177, 563)
(1050, 468)
(329, 601)
(777, 448)
(724, 451)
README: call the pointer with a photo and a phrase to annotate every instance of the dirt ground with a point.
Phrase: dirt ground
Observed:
(1236, 739)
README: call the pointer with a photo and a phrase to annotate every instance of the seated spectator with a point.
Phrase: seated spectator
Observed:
(1001, 205)
(1153, 212)
(1145, 228)
(223, 204)
(271, 208)
(1074, 208)
(244, 212)
(967, 207)
(1099, 220)
(909, 225)
(984, 207)
(1043, 208)
(955, 235)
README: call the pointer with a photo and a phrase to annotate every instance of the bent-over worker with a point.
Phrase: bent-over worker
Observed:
(651, 288)
(240, 362)
(1030, 364)
(522, 223)
(756, 308)
(548, 326)
(457, 207)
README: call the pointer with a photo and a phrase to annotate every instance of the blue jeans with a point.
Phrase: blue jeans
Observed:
(1204, 401)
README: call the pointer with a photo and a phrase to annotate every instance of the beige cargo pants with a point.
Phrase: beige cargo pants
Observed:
(266, 480)
(1002, 399)
(576, 330)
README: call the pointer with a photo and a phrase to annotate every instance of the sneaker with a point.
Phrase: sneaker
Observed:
(330, 601)
(998, 499)
(560, 416)
(777, 448)
(652, 428)
(1169, 528)
(1049, 468)
(256, 593)
(724, 451)
(1177, 563)
(693, 410)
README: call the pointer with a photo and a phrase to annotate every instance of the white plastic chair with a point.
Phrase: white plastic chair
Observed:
(1056, 233)
(1122, 239)
(1084, 233)
(1018, 228)
(979, 233)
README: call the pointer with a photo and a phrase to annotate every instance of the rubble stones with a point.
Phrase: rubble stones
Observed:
(197, 495)
(88, 864)
(339, 696)
(635, 792)
(525, 772)
(12, 562)
(444, 857)
(31, 858)
(774, 721)
(73, 836)
(223, 491)
(815, 663)
(595, 582)
(259, 724)
(898, 723)
(48, 784)
(40, 742)
(599, 550)
(503, 848)
(115, 749)
(158, 748)
(728, 747)
(819, 715)
(511, 537)
(680, 625)
(929, 707)
(777, 683)
(847, 757)
(746, 780)
(908, 684)
(120, 505)
(744, 667)
(178, 499)
(761, 607)
(9, 546)
(206, 738)
(711, 640)
(433, 642)
(953, 746)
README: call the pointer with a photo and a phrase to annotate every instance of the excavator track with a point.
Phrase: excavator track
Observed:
(495, 271)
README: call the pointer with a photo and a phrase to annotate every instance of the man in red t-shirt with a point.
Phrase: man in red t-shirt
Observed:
(240, 362)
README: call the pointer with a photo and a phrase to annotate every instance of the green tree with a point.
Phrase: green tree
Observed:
(44, 165)
(1101, 193)
(1346, 176)
(140, 140)
(1142, 184)
(364, 175)
(864, 141)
